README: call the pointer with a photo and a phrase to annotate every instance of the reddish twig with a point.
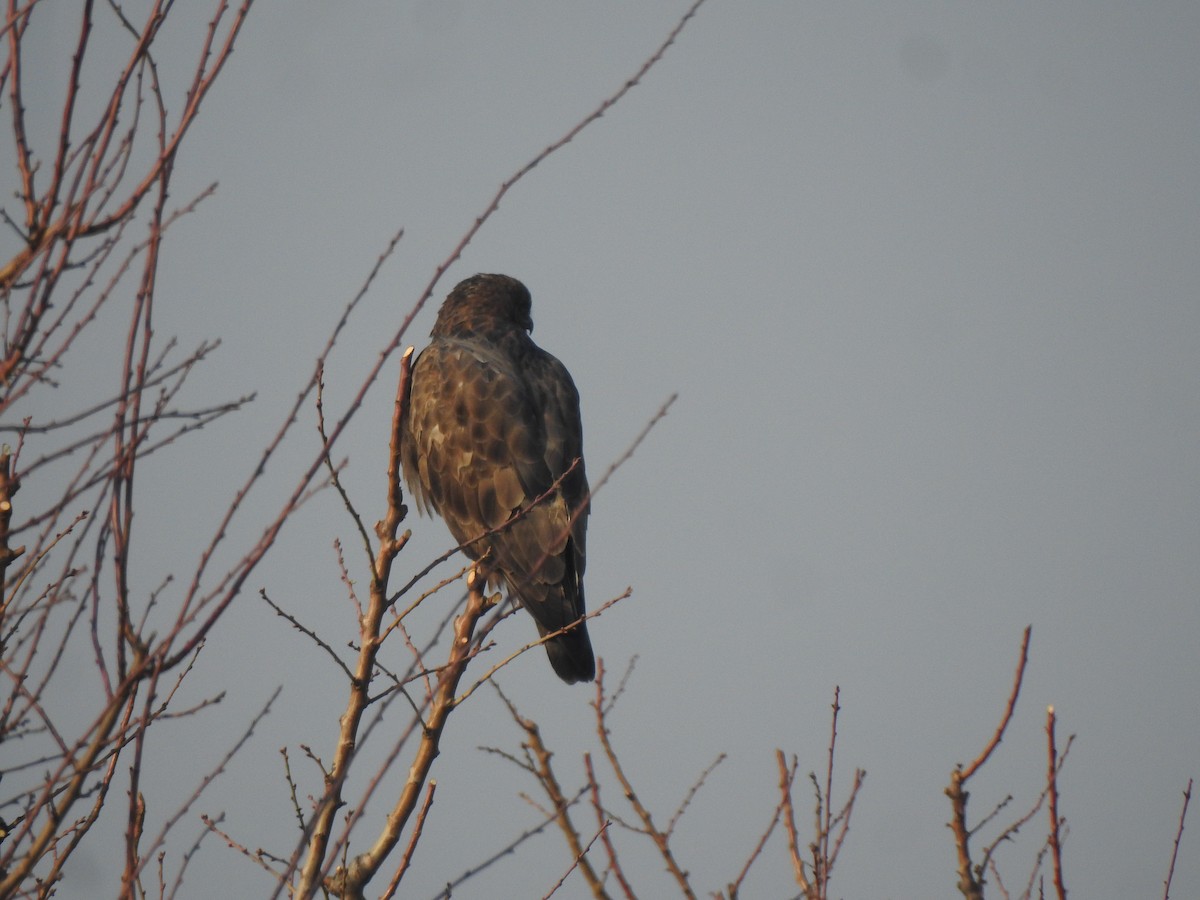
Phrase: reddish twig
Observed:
(1055, 821)
(418, 829)
(596, 613)
(658, 837)
(970, 770)
(209, 778)
(733, 889)
(507, 850)
(576, 862)
(553, 148)
(369, 626)
(349, 880)
(540, 767)
(1187, 798)
(970, 876)
(692, 791)
(614, 861)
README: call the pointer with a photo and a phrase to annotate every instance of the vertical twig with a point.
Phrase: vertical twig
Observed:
(9, 485)
(369, 643)
(787, 778)
(614, 861)
(350, 880)
(825, 826)
(1052, 786)
(1187, 798)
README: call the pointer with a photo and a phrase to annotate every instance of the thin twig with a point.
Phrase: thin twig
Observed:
(614, 861)
(550, 635)
(986, 861)
(1008, 710)
(307, 632)
(659, 838)
(735, 886)
(506, 850)
(540, 767)
(1187, 798)
(575, 863)
(574, 132)
(1055, 822)
(418, 830)
(692, 791)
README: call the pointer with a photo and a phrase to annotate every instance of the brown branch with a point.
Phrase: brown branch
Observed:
(307, 632)
(160, 376)
(614, 861)
(971, 888)
(1187, 798)
(359, 698)
(74, 220)
(9, 485)
(611, 470)
(18, 21)
(511, 846)
(986, 862)
(734, 887)
(72, 777)
(291, 783)
(659, 838)
(970, 876)
(418, 828)
(787, 778)
(691, 794)
(398, 618)
(843, 817)
(259, 857)
(351, 876)
(209, 778)
(349, 880)
(577, 862)
(549, 635)
(1055, 821)
(334, 478)
(826, 846)
(995, 813)
(970, 770)
(506, 186)
(541, 768)
(823, 826)
(229, 587)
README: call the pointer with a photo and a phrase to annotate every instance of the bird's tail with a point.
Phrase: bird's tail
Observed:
(555, 607)
(571, 654)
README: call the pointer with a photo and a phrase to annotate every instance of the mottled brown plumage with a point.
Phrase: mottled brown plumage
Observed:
(492, 423)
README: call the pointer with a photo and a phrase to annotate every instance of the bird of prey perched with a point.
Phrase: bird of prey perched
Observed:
(492, 424)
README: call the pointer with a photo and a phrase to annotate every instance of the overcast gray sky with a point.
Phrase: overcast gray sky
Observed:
(926, 278)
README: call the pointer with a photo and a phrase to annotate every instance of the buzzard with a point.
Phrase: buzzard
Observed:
(492, 424)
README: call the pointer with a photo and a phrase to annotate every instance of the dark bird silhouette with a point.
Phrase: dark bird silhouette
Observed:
(492, 425)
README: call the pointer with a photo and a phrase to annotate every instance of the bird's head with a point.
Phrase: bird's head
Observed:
(482, 302)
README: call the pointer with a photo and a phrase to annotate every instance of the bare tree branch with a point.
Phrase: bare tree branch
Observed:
(1055, 821)
(1187, 798)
